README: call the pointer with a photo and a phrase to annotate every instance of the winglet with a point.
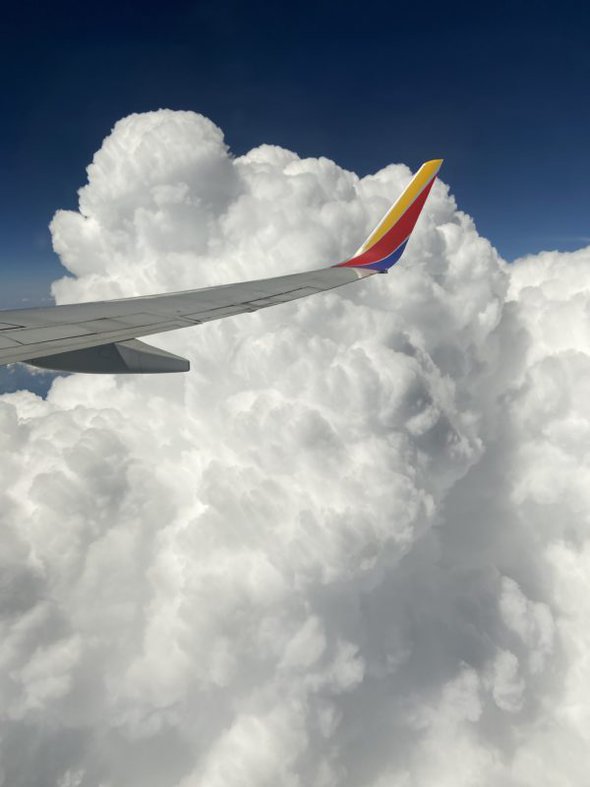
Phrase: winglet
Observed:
(386, 244)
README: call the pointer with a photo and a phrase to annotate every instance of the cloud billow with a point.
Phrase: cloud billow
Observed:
(349, 548)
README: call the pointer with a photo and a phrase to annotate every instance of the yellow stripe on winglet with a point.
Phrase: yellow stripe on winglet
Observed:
(427, 171)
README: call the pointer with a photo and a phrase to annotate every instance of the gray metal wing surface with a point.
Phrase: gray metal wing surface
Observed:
(65, 337)
(103, 336)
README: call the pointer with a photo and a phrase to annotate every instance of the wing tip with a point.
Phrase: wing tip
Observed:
(386, 244)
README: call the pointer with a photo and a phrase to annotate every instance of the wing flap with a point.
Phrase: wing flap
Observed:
(132, 357)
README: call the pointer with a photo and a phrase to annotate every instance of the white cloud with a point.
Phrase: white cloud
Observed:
(349, 548)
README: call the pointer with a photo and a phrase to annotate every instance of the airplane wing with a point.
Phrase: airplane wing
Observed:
(101, 337)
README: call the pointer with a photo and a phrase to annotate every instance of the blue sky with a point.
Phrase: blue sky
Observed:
(501, 95)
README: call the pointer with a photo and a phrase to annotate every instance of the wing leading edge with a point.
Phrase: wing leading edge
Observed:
(100, 337)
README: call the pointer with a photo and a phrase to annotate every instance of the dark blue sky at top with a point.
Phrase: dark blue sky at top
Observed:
(501, 93)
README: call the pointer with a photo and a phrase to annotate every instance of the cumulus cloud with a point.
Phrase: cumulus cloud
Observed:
(349, 548)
